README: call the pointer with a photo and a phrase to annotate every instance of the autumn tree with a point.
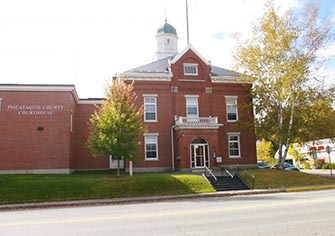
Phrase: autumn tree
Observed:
(117, 124)
(281, 60)
(265, 152)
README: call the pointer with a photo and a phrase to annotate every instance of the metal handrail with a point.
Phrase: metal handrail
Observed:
(227, 171)
(230, 174)
(210, 172)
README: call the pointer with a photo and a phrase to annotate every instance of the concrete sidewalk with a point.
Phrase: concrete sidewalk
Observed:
(132, 200)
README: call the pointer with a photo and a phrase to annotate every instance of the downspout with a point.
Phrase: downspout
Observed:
(172, 147)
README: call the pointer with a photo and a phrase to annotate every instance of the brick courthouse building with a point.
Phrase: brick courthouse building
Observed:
(192, 113)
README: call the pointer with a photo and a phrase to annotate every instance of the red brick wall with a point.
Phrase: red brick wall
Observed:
(210, 104)
(22, 146)
(165, 120)
(83, 159)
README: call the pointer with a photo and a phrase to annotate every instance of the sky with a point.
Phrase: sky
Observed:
(87, 42)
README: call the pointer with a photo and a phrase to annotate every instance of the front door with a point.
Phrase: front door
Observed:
(199, 155)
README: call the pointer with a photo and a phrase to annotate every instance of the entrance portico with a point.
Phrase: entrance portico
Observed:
(196, 142)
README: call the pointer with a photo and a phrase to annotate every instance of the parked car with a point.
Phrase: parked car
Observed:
(287, 166)
(263, 165)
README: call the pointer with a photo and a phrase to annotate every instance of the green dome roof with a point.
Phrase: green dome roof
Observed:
(167, 29)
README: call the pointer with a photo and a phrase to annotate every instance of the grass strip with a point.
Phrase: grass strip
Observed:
(95, 185)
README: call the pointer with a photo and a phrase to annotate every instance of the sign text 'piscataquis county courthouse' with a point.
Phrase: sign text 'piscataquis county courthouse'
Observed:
(35, 110)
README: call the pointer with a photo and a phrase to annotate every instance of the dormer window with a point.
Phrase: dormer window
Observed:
(190, 69)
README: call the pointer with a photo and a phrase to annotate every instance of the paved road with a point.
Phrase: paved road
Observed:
(302, 213)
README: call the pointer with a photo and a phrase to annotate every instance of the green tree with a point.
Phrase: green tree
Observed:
(281, 59)
(296, 155)
(317, 117)
(117, 124)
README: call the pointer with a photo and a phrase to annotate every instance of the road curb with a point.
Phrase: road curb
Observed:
(309, 188)
(133, 200)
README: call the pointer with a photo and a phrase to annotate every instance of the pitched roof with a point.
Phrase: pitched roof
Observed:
(162, 66)
(159, 66)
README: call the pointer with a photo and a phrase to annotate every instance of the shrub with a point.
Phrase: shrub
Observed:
(325, 166)
(307, 165)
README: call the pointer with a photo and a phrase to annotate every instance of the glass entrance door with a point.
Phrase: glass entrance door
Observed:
(199, 155)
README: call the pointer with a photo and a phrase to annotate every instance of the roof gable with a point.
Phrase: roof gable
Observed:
(189, 47)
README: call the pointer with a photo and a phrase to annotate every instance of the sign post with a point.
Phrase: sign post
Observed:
(330, 161)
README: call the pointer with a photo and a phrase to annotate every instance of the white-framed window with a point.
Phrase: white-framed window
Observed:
(234, 145)
(151, 146)
(190, 69)
(231, 108)
(150, 107)
(192, 109)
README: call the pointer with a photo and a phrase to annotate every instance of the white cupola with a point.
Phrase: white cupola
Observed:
(167, 41)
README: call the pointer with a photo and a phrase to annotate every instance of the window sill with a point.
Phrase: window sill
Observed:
(151, 159)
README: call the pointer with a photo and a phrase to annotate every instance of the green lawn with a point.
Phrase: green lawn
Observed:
(95, 185)
(104, 184)
(265, 179)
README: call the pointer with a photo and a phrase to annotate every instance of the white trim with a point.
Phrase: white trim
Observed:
(206, 155)
(150, 95)
(191, 126)
(89, 102)
(231, 96)
(191, 96)
(188, 103)
(155, 104)
(189, 47)
(233, 133)
(238, 142)
(191, 80)
(231, 105)
(154, 76)
(191, 65)
(151, 134)
(40, 88)
(0, 103)
(37, 88)
(145, 146)
(228, 80)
